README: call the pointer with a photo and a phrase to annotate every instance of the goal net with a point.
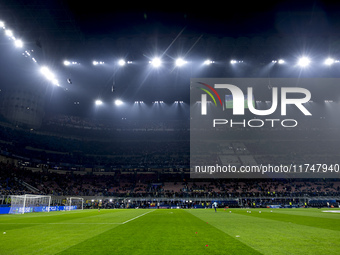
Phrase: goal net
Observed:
(29, 203)
(74, 203)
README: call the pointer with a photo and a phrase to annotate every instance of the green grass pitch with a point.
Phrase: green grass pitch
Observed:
(172, 231)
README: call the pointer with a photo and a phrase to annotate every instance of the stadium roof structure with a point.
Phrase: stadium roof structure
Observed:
(84, 33)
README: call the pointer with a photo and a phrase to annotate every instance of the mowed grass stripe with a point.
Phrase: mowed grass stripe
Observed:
(85, 216)
(50, 237)
(270, 236)
(309, 217)
(162, 232)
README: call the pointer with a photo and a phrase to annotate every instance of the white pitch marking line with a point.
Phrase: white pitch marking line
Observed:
(62, 223)
(136, 217)
(77, 223)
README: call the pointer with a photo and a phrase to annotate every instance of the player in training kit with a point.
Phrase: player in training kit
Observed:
(215, 205)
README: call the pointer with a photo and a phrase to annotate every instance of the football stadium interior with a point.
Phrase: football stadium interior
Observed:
(96, 124)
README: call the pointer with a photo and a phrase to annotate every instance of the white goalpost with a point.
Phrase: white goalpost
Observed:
(21, 204)
(74, 203)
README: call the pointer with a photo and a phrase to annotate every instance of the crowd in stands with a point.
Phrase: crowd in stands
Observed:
(151, 159)
(162, 185)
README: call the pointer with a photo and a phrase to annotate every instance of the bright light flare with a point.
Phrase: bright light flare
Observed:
(304, 62)
(156, 62)
(118, 102)
(233, 61)
(2, 24)
(98, 102)
(329, 61)
(208, 62)
(280, 61)
(49, 75)
(18, 43)
(121, 62)
(9, 33)
(95, 63)
(180, 62)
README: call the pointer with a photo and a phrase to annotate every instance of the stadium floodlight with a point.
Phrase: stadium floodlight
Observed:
(208, 62)
(280, 61)
(9, 33)
(303, 62)
(121, 62)
(180, 62)
(68, 63)
(18, 43)
(46, 72)
(233, 61)
(94, 62)
(118, 102)
(156, 62)
(98, 102)
(329, 61)
(49, 75)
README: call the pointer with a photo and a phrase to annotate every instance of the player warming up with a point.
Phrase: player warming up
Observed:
(215, 206)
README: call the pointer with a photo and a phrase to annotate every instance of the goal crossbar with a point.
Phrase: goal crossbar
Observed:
(72, 202)
(29, 203)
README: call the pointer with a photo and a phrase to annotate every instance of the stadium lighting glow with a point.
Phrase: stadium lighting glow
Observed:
(156, 62)
(304, 62)
(280, 61)
(233, 61)
(97, 62)
(208, 62)
(121, 62)
(67, 63)
(9, 33)
(98, 102)
(159, 102)
(2, 24)
(329, 61)
(49, 75)
(18, 43)
(118, 102)
(180, 62)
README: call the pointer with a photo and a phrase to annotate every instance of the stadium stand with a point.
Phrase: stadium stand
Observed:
(58, 160)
